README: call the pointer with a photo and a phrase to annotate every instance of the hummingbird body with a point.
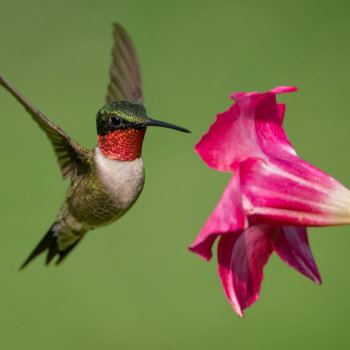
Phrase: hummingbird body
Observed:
(104, 182)
(99, 197)
(107, 192)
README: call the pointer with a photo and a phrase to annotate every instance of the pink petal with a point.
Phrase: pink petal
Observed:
(283, 89)
(292, 192)
(241, 257)
(281, 107)
(228, 216)
(251, 128)
(237, 95)
(292, 246)
(269, 131)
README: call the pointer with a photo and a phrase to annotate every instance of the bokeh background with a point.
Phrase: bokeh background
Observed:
(134, 284)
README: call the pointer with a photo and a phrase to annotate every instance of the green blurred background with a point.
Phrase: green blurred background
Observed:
(134, 285)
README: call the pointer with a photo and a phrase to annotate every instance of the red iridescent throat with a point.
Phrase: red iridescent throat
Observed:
(122, 144)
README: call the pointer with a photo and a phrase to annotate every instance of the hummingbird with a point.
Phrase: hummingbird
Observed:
(104, 182)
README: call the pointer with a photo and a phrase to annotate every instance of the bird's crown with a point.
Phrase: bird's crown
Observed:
(132, 112)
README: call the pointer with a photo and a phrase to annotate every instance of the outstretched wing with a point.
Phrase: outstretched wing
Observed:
(125, 84)
(72, 158)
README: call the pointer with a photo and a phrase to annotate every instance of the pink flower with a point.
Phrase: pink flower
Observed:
(271, 198)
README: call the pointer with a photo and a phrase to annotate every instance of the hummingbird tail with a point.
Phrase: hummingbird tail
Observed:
(50, 242)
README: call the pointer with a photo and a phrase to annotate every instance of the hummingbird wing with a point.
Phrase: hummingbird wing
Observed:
(125, 84)
(71, 157)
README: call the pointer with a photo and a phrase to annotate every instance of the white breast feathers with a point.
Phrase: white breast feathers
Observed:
(124, 180)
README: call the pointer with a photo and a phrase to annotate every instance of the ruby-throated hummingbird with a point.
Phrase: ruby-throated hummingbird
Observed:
(106, 181)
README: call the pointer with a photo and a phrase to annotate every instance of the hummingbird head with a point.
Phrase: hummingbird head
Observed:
(121, 127)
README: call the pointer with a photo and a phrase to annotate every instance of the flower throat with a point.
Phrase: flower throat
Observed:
(122, 145)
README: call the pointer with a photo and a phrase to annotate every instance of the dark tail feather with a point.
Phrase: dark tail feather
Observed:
(67, 251)
(49, 242)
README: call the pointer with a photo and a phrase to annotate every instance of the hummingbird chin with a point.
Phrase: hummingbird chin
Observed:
(104, 182)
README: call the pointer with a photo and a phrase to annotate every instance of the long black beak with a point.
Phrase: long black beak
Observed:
(152, 122)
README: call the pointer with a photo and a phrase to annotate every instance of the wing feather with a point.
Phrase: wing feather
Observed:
(72, 158)
(125, 77)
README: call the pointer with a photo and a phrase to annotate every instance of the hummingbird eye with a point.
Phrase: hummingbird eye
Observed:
(115, 121)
